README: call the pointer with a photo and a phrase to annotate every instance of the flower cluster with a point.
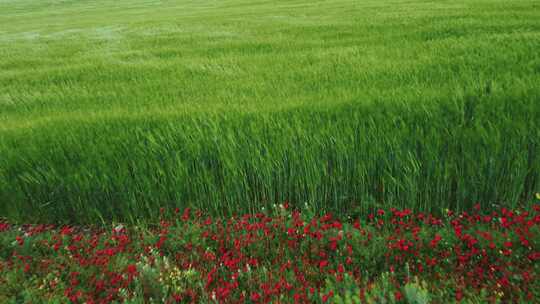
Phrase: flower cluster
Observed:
(287, 256)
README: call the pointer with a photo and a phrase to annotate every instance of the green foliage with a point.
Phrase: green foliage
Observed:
(382, 291)
(158, 281)
(416, 293)
(18, 287)
(345, 292)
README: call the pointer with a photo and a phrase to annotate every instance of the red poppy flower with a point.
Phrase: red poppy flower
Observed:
(398, 295)
(255, 297)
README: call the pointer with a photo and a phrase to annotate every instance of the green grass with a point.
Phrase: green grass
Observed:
(109, 110)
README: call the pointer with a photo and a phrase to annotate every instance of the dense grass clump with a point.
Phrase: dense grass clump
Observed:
(113, 110)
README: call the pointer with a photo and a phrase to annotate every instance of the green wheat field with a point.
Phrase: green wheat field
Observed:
(110, 110)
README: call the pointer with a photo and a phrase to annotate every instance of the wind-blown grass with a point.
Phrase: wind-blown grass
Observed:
(112, 110)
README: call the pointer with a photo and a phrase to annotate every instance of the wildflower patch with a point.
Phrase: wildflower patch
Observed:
(396, 256)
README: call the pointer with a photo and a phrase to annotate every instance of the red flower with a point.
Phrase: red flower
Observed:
(161, 241)
(504, 282)
(4, 226)
(327, 296)
(20, 240)
(398, 295)
(255, 297)
(57, 245)
(526, 276)
(459, 295)
(431, 262)
(323, 264)
(333, 245)
(291, 232)
(131, 270)
(177, 297)
(534, 256)
(435, 241)
(185, 216)
(326, 217)
(66, 230)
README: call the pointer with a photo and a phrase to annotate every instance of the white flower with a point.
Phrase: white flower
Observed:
(118, 228)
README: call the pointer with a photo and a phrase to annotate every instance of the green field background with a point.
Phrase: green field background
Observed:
(110, 110)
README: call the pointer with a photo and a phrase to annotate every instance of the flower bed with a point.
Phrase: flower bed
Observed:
(393, 255)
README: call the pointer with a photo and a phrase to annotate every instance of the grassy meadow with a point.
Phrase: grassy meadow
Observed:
(110, 110)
